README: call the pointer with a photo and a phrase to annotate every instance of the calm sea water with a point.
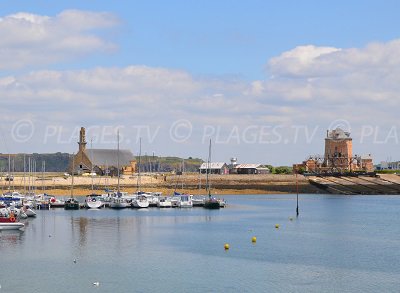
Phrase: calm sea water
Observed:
(338, 244)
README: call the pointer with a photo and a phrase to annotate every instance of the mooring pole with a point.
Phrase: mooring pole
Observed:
(297, 197)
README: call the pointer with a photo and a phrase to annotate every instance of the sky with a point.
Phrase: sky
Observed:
(263, 80)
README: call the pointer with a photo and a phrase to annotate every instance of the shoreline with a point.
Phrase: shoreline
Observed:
(59, 185)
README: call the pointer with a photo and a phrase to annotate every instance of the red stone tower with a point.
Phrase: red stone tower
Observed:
(338, 150)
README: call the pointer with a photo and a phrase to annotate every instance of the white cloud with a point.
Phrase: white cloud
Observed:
(308, 86)
(301, 61)
(29, 39)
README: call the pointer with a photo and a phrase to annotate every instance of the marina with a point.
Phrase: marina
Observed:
(337, 244)
(201, 146)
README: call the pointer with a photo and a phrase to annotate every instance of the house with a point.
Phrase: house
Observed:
(366, 163)
(250, 169)
(389, 165)
(102, 161)
(215, 168)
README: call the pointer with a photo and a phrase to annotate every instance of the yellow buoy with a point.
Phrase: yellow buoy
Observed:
(226, 246)
(277, 226)
(254, 239)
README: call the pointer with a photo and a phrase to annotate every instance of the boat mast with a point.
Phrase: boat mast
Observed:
(43, 170)
(118, 189)
(107, 172)
(73, 171)
(183, 170)
(29, 175)
(208, 184)
(140, 154)
(24, 175)
(91, 171)
(9, 172)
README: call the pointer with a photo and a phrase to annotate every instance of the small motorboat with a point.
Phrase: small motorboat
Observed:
(164, 202)
(10, 222)
(27, 210)
(185, 201)
(71, 204)
(56, 202)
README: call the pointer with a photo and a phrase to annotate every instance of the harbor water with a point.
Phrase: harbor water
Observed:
(337, 244)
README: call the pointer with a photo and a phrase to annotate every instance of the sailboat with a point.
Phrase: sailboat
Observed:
(92, 200)
(141, 200)
(118, 201)
(210, 202)
(184, 199)
(71, 203)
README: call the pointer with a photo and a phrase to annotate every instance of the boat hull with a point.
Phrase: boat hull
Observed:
(164, 204)
(71, 206)
(11, 226)
(114, 205)
(185, 204)
(211, 204)
(94, 204)
(140, 204)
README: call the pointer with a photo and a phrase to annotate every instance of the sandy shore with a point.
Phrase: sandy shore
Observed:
(165, 183)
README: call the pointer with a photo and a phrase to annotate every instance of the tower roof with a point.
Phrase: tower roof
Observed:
(338, 134)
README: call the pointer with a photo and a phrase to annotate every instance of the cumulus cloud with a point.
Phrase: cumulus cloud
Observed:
(29, 39)
(306, 86)
(301, 61)
(333, 75)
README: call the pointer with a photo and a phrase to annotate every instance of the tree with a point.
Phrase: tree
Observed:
(283, 170)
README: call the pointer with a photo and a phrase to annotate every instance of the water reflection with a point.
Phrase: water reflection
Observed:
(10, 237)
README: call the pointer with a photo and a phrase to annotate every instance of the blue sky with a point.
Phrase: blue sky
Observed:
(263, 79)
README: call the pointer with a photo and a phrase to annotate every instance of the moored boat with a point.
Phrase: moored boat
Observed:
(28, 211)
(93, 201)
(118, 201)
(210, 203)
(140, 202)
(164, 202)
(198, 201)
(56, 202)
(185, 201)
(71, 204)
(8, 221)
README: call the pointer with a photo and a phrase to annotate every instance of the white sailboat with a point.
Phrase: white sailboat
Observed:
(71, 203)
(93, 201)
(141, 200)
(210, 202)
(117, 200)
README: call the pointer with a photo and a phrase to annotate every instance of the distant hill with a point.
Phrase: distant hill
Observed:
(168, 164)
(59, 162)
